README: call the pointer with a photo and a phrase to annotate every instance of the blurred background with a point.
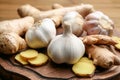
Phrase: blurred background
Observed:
(8, 8)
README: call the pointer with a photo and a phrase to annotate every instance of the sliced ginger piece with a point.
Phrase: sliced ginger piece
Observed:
(84, 67)
(21, 60)
(117, 39)
(85, 59)
(29, 54)
(39, 60)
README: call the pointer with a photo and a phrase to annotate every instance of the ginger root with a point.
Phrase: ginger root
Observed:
(10, 32)
(28, 10)
(98, 39)
(18, 26)
(102, 56)
(10, 43)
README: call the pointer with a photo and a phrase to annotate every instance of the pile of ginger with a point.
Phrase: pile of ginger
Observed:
(96, 32)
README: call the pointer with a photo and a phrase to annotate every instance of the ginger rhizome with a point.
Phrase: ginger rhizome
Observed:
(19, 26)
(102, 56)
(98, 39)
(10, 32)
(10, 43)
(59, 11)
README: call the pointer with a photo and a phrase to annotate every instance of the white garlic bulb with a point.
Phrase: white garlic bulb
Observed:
(98, 23)
(76, 21)
(41, 34)
(66, 48)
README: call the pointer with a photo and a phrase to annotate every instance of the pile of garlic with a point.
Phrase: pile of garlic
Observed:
(67, 47)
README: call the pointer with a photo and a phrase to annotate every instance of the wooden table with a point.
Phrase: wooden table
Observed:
(8, 9)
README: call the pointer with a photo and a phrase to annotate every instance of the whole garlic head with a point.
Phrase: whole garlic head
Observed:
(66, 48)
(75, 20)
(41, 34)
(98, 23)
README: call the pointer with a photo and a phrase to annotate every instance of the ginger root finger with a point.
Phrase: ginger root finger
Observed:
(28, 10)
(102, 56)
(10, 43)
(98, 39)
(19, 26)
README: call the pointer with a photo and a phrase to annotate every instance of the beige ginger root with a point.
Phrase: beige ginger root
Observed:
(11, 43)
(98, 39)
(102, 56)
(10, 32)
(19, 26)
(28, 10)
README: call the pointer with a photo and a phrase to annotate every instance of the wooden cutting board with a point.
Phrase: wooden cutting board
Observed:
(10, 69)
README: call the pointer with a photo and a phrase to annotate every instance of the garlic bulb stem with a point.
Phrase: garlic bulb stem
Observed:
(67, 28)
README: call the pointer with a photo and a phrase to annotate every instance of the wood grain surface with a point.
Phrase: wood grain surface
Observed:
(8, 10)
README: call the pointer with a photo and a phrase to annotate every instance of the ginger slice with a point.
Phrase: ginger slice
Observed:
(117, 39)
(29, 54)
(39, 60)
(85, 59)
(84, 68)
(21, 60)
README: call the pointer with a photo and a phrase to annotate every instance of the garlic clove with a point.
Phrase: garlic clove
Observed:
(75, 20)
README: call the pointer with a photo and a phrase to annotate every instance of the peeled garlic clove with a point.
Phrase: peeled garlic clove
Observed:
(66, 48)
(75, 20)
(42, 33)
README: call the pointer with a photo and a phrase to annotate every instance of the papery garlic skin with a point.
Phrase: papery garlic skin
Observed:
(66, 48)
(75, 20)
(42, 33)
(98, 23)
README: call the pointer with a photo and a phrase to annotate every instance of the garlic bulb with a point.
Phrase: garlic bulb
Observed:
(98, 23)
(66, 48)
(76, 21)
(41, 34)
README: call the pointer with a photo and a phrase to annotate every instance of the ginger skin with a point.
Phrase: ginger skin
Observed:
(102, 56)
(10, 43)
(98, 39)
(10, 32)
(58, 10)
(18, 26)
